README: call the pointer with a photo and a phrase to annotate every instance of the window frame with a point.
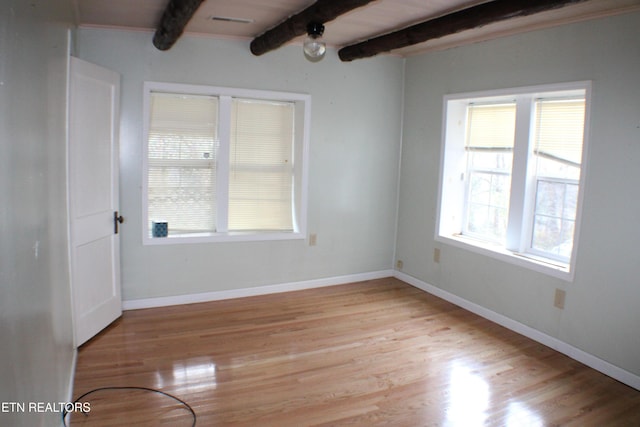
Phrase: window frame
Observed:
(452, 191)
(302, 122)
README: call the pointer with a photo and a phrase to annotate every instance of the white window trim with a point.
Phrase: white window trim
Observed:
(301, 162)
(449, 157)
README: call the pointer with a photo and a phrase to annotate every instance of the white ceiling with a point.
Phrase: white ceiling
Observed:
(378, 17)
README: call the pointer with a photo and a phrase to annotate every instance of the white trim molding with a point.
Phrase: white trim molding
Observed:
(581, 356)
(253, 291)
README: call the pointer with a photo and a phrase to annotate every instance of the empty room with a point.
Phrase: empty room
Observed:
(319, 213)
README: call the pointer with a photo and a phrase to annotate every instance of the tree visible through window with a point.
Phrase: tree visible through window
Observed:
(512, 170)
(489, 147)
(558, 141)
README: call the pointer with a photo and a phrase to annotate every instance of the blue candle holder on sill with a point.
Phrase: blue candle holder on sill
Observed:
(159, 229)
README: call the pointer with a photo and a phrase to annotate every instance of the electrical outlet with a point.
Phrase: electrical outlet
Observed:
(558, 300)
(436, 255)
(399, 264)
(313, 239)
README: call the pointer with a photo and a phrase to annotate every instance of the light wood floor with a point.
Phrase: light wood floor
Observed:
(365, 354)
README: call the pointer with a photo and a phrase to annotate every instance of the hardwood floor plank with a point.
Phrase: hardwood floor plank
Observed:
(365, 354)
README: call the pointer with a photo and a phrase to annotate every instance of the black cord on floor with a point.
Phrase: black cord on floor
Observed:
(185, 404)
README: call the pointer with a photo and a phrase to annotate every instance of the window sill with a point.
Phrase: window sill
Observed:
(532, 262)
(222, 237)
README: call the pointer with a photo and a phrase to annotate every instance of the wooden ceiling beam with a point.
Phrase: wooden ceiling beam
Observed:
(174, 20)
(466, 19)
(321, 11)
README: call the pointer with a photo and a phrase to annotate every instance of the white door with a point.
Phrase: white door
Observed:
(93, 197)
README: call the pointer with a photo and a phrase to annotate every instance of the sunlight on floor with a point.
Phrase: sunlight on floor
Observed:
(519, 415)
(193, 375)
(468, 397)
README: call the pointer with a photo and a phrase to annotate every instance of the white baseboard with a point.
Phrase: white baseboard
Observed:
(254, 291)
(590, 360)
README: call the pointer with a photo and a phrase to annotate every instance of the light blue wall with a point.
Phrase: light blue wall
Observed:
(353, 175)
(36, 350)
(601, 315)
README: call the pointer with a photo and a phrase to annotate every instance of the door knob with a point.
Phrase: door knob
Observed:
(117, 219)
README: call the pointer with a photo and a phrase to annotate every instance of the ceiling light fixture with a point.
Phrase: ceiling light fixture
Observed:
(314, 47)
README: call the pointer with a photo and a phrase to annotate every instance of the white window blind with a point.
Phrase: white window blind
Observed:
(560, 130)
(491, 125)
(182, 156)
(261, 165)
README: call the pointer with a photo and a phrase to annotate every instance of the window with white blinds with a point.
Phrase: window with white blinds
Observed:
(224, 164)
(261, 165)
(489, 146)
(558, 143)
(512, 173)
(182, 158)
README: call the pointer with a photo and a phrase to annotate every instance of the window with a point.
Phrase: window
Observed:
(512, 170)
(224, 164)
(489, 149)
